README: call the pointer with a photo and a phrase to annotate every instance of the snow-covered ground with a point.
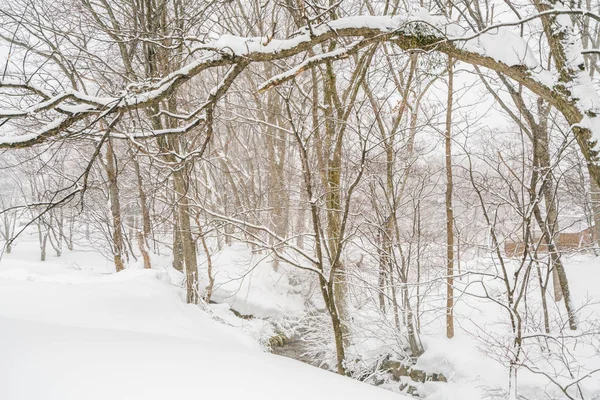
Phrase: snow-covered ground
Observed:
(476, 360)
(71, 330)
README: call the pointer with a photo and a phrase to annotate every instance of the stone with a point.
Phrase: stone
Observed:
(396, 368)
(417, 375)
(278, 340)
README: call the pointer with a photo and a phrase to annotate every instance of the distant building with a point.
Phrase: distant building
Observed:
(575, 236)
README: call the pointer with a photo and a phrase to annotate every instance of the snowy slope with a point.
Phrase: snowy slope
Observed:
(79, 334)
(248, 283)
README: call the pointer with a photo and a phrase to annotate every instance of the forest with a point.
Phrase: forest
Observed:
(404, 193)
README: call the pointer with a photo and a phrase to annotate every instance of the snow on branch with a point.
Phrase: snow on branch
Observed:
(574, 82)
(418, 31)
(334, 55)
(53, 128)
(161, 132)
(227, 50)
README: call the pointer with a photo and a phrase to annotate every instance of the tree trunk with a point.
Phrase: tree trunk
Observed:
(146, 223)
(275, 138)
(177, 246)
(43, 240)
(209, 264)
(550, 227)
(336, 323)
(115, 206)
(143, 250)
(333, 202)
(185, 234)
(382, 282)
(543, 296)
(449, 210)
(595, 200)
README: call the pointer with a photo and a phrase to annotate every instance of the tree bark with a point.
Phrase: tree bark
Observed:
(143, 250)
(146, 222)
(595, 206)
(185, 234)
(115, 206)
(449, 209)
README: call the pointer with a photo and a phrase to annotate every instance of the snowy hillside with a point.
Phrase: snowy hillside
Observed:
(71, 329)
(68, 333)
